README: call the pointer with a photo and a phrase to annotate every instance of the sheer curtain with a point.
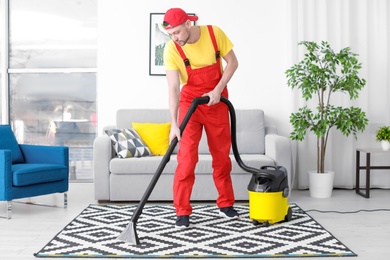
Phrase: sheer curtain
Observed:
(363, 25)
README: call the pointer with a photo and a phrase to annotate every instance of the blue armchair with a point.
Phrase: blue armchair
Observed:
(31, 170)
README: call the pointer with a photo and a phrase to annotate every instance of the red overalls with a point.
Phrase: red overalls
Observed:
(215, 120)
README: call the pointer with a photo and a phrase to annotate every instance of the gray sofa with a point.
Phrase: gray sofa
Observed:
(117, 179)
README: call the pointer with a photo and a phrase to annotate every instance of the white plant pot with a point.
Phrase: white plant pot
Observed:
(385, 145)
(321, 184)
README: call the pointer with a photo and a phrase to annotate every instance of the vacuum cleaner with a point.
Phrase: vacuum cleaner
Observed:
(268, 198)
(268, 188)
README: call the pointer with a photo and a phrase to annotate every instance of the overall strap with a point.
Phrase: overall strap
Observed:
(212, 35)
(183, 56)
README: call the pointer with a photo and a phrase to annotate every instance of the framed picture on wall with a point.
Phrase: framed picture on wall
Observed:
(157, 40)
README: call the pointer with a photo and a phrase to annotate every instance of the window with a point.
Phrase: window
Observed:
(52, 76)
(53, 33)
(2, 58)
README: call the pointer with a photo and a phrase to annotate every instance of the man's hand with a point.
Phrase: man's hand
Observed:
(175, 132)
(214, 96)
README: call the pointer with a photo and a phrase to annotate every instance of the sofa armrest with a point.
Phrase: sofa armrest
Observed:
(280, 150)
(5, 175)
(45, 154)
(102, 155)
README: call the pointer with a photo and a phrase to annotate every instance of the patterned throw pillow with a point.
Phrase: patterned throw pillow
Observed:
(127, 143)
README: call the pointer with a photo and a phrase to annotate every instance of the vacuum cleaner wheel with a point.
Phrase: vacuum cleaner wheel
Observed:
(262, 224)
(288, 217)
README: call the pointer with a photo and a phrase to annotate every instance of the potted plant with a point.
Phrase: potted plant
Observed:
(321, 73)
(383, 136)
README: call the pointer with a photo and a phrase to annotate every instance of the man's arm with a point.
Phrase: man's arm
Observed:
(174, 93)
(230, 68)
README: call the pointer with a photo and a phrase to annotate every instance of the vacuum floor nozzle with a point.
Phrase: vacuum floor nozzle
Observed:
(129, 234)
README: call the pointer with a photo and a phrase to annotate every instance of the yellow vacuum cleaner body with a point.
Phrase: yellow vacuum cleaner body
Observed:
(268, 196)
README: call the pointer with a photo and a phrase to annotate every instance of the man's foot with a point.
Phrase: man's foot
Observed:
(182, 222)
(229, 212)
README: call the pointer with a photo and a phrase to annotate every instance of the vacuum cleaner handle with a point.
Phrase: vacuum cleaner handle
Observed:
(194, 104)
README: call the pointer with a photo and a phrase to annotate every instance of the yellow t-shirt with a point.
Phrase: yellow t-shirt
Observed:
(200, 53)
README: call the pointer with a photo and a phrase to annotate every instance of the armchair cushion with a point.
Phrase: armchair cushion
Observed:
(33, 173)
(8, 142)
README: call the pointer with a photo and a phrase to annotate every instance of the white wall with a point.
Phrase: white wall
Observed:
(265, 34)
(257, 28)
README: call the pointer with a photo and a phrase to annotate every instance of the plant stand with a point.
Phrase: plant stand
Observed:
(368, 168)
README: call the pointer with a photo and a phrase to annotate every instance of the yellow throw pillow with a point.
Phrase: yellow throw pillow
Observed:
(155, 135)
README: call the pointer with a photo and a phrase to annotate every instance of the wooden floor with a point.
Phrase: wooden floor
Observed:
(365, 233)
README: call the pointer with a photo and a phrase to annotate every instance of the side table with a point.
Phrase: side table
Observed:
(368, 168)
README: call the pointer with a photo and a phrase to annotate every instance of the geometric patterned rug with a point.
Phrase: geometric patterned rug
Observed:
(94, 234)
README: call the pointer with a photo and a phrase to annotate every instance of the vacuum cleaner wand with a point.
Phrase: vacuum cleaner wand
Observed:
(129, 234)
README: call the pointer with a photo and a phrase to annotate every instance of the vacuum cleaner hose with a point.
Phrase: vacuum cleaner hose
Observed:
(262, 173)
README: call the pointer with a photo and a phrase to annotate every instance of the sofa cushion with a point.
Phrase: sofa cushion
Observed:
(250, 131)
(24, 174)
(127, 143)
(8, 142)
(155, 135)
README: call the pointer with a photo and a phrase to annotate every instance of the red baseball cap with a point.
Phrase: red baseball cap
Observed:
(175, 17)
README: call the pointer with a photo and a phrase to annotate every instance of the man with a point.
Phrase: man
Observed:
(192, 60)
